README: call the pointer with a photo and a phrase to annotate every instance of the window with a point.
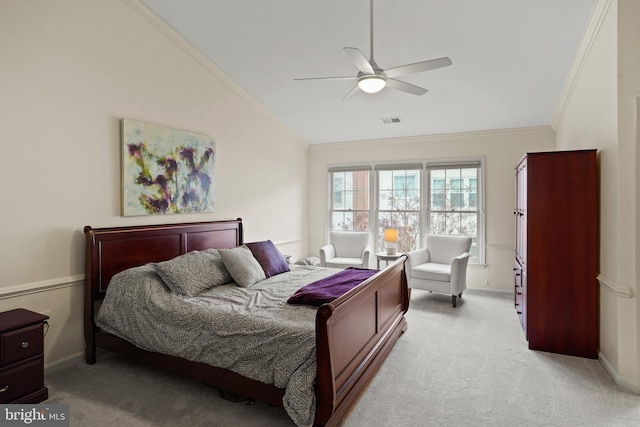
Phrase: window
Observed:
(350, 199)
(399, 204)
(453, 205)
(417, 199)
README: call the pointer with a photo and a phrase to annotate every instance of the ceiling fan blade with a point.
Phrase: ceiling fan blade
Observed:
(327, 78)
(353, 92)
(406, 87)
(418, 67)
(359, 60)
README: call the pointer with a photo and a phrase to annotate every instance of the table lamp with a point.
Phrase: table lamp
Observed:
(391, 237)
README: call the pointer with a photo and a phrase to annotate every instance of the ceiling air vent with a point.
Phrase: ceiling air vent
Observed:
(389, 120)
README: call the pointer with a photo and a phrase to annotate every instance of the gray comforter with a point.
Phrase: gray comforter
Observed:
(251, 331)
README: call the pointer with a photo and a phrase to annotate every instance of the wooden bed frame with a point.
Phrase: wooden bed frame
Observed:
(354, 333)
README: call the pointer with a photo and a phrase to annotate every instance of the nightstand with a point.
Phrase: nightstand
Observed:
(22, 357)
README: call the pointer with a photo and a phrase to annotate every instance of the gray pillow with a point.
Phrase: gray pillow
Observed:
(193, 273)
(221, 273)
(242, 266)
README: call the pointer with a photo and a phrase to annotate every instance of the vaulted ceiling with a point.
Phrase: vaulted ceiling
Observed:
(510, 60)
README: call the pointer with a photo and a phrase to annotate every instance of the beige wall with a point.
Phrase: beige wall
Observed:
(501, 150)
(70, 70)
(628, 175)
(600, 110)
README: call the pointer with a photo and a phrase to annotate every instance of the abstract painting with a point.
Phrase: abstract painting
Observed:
(166, 171)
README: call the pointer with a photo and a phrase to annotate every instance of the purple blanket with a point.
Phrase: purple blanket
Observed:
(330, 288)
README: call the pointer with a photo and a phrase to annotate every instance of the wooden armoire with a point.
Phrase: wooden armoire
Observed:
(556, 293)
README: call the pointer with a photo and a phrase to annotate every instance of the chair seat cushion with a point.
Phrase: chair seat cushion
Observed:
(432, 271)
(342, 262)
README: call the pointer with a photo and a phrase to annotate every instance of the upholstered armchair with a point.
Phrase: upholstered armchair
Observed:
(441, 266)
(346, 249)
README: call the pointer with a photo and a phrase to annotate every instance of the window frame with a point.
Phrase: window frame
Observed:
(430, 165)
(419, 167)
(331, 211)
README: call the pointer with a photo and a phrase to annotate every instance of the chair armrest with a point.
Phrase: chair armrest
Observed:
(327, 252)
(366, 254)
(417, 257)
(459, 269)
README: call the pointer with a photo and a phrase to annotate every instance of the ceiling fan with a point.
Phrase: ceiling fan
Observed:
(372, 79)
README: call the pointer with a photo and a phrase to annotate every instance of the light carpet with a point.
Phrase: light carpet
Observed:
(464, 366)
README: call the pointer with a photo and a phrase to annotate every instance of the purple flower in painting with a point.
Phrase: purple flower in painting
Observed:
(208, 154)
(190, 197)
(144, 180)
(135, 150)
(171, 165)
(187, 154)
(161, 180)
(205, 182)
(157, 205)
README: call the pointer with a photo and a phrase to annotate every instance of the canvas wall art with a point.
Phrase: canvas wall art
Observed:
(166, 171)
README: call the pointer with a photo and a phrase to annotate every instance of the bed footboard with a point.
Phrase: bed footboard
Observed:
(354, 334)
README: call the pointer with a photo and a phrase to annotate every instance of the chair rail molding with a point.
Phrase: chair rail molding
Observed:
(614, 288)
(42, 286)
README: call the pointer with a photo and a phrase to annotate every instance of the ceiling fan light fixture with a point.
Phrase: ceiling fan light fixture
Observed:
(372, 83)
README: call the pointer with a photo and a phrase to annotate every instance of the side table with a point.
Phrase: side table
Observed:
(382, 256)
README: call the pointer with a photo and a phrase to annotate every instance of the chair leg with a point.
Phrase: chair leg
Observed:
(453, 298)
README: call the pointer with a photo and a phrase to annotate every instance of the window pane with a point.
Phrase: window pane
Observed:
(385, 200)
(342, 221)
(437, 184)
(350, 200)
(338, 192)
(361, 221)
(457, 200)
(438, 201)
(438, 223)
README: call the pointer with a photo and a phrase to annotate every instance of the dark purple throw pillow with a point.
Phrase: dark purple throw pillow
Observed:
(269, 257)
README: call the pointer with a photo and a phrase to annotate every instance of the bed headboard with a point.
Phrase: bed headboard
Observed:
(112, 250)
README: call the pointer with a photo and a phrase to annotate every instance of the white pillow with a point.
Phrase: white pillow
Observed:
(242, 266)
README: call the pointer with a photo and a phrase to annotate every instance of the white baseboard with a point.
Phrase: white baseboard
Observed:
(615, 376)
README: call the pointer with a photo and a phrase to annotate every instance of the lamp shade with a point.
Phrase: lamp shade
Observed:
(391, 235)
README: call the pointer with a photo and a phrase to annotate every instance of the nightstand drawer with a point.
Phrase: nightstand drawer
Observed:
(20, 381)
(21, 344)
